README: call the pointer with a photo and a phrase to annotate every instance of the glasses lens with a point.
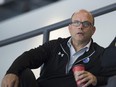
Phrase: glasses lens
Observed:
(86, 24)
(76, 23)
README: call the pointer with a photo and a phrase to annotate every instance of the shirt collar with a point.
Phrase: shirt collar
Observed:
(87, 47)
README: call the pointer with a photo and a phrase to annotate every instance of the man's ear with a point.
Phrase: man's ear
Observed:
(94, 29)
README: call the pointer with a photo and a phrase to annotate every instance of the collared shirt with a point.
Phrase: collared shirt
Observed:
(76, 54)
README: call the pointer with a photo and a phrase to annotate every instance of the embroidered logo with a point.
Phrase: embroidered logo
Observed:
(60, 54)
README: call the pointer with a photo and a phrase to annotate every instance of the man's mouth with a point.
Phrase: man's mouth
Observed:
(80, 33)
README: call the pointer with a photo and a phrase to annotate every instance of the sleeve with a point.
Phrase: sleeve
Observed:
(32, 59)
(101, 81)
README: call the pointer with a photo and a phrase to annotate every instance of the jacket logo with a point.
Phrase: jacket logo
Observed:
(60, 54)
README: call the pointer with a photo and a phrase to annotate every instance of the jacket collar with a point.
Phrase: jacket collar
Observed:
(86, 54)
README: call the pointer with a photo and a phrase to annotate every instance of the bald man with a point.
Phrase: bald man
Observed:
(58, 58)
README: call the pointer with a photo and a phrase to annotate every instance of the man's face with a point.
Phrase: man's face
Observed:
(82, 27)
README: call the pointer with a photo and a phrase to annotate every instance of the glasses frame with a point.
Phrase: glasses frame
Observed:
(85, 24)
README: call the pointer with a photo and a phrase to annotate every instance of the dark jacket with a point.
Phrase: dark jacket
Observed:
(109, 59)
(55, 55)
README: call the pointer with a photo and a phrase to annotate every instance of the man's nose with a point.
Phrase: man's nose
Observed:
(81, 26)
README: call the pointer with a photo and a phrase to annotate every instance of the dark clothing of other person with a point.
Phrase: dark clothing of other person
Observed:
(109, 59)
(109, 64)
(55, 56)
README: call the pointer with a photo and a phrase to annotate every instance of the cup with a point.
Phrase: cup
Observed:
(76, 68)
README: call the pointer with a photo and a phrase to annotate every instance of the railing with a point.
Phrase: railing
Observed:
(46, 30)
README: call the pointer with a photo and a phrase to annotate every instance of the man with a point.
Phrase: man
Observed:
(58, 57)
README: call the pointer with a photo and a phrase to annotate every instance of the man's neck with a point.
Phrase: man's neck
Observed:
(79, 45)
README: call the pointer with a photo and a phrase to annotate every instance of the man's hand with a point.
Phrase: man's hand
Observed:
(10, 80)
(86, 78)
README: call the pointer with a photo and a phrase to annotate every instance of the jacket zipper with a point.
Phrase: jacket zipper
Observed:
(75, 62)
(68, 58)
(83, 58)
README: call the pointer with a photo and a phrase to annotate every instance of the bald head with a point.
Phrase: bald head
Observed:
(84, 13)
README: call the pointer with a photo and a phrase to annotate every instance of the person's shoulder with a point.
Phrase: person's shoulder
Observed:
(113, 43)
(57, 41)
(63, 39)
(112, 47)
(97, 46)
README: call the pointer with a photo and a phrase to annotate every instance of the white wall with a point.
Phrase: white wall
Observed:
(38, 18)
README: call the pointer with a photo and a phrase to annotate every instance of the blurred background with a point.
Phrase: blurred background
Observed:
(21, 16)
(11, 8)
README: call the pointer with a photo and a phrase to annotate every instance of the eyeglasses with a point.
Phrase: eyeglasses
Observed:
(85, 24)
